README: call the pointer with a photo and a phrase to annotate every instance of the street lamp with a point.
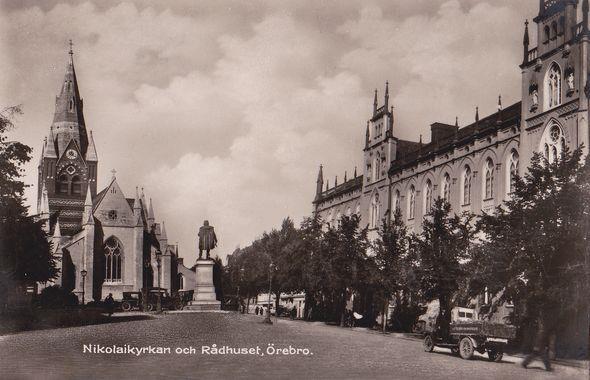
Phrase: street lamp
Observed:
(159, 262)
(270, 269)
(83, 272)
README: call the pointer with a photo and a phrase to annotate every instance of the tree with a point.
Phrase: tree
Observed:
(440, 253)
(25, 254)
(535, 251)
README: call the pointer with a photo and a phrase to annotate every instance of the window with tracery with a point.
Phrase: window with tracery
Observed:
(467, 185)
(112, 252)
(412, 202)
(396, 201)
(513, 173)
(553, 143)
(446, 188)
(489, 179)
(375, 211)
(76, 185)
(553, 87)
(427, 197)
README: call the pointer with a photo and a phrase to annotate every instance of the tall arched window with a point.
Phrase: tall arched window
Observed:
(513, 170)
(76, 185)
(467, 185)
(553, 143)
(427, 197)
(63, 184)
(112, 252)
(553, 87)
(180, 281)
(446, 188)
(396, 201)
(412, 202)
(375, 211)
(489, 179)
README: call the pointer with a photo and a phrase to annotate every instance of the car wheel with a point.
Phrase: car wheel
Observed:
(466, 348)
(126, 306)
(428, 343)
(150, 307)
(495, 355)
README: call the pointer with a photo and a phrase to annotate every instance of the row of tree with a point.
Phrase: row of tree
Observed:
(531, 252)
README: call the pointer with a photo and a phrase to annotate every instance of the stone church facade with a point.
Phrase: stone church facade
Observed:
(472, 166)
(104, 241)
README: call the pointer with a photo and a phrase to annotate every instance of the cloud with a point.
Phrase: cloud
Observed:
(224, 110)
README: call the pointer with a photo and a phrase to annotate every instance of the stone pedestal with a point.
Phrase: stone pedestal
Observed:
(204, 296)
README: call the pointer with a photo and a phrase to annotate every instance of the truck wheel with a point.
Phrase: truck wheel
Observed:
(428, 343)
(126, 306)
(466, 348)
(495, 355)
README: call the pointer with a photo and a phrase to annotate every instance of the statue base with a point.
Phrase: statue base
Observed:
(204, 297)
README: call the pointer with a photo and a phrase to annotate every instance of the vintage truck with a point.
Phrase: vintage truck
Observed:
(468, 334)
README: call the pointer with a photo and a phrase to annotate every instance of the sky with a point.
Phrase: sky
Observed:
(224, 110)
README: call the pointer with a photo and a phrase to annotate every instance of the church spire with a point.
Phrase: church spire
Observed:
(87, 215)
(163, 234)
(526, 42)
(151, 218)
(320, 181)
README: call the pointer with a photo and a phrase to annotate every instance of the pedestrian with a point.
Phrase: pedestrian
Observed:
(109, 303)
(293, 313)
(256, 310)
(541, 346)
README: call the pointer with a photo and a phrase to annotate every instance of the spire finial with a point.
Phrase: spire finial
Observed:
(500, 102)
(386, 94)
(345, 175)
(71, 52)
(114, 172)
(457, 121)
(476, 114)
(355, 175)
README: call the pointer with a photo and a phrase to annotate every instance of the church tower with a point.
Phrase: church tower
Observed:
(555, 80)
(68, 165)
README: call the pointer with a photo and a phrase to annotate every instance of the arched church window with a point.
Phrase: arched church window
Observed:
(374, 221)
(396, 201)
(113, 252)
(62, 184)
(513, 170)
(553, 143)
(180, 281)
(553, 87)
(489, 179)
(427, 197)
(412, 202)
(446, 188)
(76, 185)
(467, 185)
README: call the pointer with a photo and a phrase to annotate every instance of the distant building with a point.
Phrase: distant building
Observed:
(114, 239)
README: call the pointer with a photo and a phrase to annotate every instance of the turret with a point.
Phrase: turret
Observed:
(320, 182)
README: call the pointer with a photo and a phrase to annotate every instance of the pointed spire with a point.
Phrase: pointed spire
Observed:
(386, 95)
(320, 181)
(375, 103)
(44, 201)
(477, 114)
(68, 105)
(457, 121)
(151, 218)
(88, 201)
(50, 151)
(500, 102)
(143, 202)
(336, 182)
(87, 217)
(57, 229)
(136, 202)
(355, 175)
(420, 142)
(43, 151)
(327, 184)
(163, 234)
(345, 179)
(91, 151)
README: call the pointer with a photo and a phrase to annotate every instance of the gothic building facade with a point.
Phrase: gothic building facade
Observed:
(473, 166)
(104, 242)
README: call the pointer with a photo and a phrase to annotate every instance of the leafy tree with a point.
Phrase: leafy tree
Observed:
(440, 253)
(25, 255)
(536, 247)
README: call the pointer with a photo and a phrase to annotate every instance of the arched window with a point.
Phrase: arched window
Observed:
(553, 87)
(76, 185)
(547, 34)
(489, 179)
(427, 197)
(513, 172)
(446, 188)
(375, 211)
(63, 184)
(112, 252)
(412, 202)
(180, 281)
(554, 29)
(467, 185)
(396, 201)
(553, 143)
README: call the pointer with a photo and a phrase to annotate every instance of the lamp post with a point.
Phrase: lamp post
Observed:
(159, 264)
(83, 272)
(241, 271)
(270, 268)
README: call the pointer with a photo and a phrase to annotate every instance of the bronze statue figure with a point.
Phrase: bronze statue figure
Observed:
(207, 239)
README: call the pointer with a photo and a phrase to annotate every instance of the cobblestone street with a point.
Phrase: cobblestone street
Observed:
(335, 352)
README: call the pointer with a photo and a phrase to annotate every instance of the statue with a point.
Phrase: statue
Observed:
(535, 98)
(570, 81)
(207, 239)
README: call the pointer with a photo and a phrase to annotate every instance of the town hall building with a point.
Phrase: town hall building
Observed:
(104, 241)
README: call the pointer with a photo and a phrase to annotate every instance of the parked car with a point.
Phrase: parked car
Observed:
(134, 300)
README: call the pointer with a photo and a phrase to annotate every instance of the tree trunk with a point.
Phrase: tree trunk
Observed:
(342, 308)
